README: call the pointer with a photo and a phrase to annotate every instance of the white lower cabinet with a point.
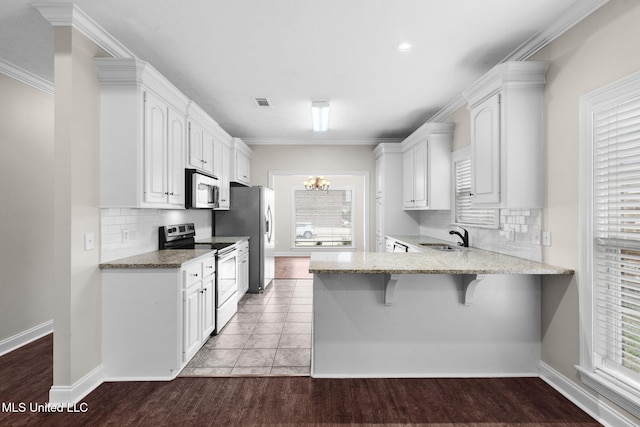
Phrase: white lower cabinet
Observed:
(155, 319)
(243, 269)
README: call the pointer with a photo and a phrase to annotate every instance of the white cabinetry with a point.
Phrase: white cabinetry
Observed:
(143, 132)
(204, 133)
(243, 268)
(154, 320)
(390, 216)
(224, 175)
(198, 305)
(427, 167)
(506, 107)
(240, 162)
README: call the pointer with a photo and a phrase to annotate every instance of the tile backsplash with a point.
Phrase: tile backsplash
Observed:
(518, 234)
(142, 226)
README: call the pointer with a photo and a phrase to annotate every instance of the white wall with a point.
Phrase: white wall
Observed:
(314, 158)
(26, 220)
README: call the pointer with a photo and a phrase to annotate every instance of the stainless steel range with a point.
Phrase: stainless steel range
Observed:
(182, 236)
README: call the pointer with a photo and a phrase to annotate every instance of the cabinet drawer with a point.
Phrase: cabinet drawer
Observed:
(209, 267)
(243, 248)
(192, 274)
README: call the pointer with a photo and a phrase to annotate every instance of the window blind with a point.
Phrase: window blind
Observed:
(465, 213)
(616, 222)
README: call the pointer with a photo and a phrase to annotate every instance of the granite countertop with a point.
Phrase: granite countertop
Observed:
(429, 261)
(170, 258)
(167, 258)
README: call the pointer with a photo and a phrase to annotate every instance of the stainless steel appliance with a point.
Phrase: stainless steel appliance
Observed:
(201, 191)
(251, 214)
(182, 236)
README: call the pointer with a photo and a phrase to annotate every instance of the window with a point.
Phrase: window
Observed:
(610, 257)
(464, 213)
(323, 219)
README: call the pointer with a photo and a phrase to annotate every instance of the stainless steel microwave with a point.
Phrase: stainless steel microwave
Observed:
(202, 191)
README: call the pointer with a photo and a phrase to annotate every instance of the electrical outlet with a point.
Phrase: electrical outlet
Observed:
(89, 242)
(125, 235)
(546, 238)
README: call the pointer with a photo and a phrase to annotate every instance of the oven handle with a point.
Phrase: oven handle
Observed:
(226, 252)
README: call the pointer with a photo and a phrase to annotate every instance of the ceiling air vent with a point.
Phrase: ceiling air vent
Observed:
(262, 102)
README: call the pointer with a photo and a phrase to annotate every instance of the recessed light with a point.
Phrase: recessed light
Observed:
(403, 46)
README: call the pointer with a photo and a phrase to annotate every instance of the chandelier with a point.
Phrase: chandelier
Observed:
(316, 183)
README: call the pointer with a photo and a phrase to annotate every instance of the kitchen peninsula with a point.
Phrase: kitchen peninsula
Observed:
(452, 312)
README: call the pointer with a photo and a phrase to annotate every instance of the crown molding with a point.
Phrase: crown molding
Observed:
(70, 15)
(26, 77)
(287, 141)
(572, 16)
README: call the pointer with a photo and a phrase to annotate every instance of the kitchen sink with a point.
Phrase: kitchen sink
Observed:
(442, 247)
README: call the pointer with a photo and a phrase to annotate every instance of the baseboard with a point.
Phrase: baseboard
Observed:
(70, 395)
(24, 338)
(431, 375)
(586, 401)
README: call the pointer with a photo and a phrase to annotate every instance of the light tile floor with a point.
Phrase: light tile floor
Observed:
(269, 335)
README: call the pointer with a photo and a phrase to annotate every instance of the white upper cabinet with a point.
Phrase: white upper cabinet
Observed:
(143, 132)
(391, 218)
(240, 162)
(225, 173)
(427, 167)
(506, 111)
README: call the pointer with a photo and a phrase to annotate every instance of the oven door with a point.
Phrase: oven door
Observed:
(226, 275)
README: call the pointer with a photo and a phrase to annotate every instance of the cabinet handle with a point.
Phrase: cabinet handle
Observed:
(204, 161)
(166, 193)
(195, 274)
(210, 266)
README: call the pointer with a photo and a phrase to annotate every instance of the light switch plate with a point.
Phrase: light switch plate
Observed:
(89, 242)
(546, 238)
(125, 235)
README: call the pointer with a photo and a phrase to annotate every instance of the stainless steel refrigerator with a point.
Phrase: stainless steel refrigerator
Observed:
(251, 214)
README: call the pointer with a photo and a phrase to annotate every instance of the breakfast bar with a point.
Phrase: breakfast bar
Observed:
(462, 312)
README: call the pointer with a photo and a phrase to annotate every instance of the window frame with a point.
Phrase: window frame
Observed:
(352, 246)
(615, 386)
(458, 156)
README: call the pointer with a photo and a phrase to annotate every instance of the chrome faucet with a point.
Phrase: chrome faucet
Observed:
(465, 237)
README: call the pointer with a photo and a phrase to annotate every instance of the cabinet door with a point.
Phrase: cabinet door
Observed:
(485, 151)
(217, 158)
(155, 149)
(224, 178)
(191, 334)
(207, 152)
(208, 307)
(243, 165)
(243, 275)
(379, 177)
(407, 179)
(420, 176)
(379, 218)
(195, 146)
(175, 159)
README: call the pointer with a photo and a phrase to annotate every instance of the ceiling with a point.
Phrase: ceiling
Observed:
(223, 53)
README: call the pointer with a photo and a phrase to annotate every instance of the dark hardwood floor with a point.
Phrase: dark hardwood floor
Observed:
(26, 376)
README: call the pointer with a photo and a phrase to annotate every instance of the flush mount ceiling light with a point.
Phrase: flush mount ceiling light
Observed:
(403, 46)
(320, 115)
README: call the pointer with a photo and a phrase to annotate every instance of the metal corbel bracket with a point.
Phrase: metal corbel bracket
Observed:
(390, 282)
(469, 284)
